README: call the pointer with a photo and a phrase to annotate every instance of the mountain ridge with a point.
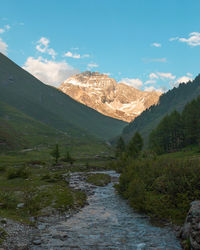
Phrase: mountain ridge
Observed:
(104, 94)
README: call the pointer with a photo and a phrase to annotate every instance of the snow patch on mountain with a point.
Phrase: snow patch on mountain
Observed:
(110, 98)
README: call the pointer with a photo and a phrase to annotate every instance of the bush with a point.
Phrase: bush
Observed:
(35, 200)
(80, 198)
(7, 200)
(52, 178)
(36, 162)
(68, 158)
(3, 235)
(18, 172)
(64, 199)
(2, 168)
(161, 188)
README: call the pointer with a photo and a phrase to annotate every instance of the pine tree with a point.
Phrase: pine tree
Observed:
(120, 148)
(191, 121)
(135, 145)
(69, 158)
(55, 153)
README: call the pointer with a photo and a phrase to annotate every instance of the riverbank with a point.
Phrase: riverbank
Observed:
(106, 221)
(23, 236)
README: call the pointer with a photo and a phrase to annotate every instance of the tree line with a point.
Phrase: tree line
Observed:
(177, 130)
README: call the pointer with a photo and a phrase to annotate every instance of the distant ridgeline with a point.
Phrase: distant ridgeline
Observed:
(174, 99)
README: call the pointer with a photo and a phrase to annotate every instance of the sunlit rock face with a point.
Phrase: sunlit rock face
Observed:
(108, 97)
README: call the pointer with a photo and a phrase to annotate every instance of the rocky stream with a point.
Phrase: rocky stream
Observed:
(107, 222)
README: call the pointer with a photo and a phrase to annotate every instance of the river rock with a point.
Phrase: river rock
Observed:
(4, 221)
(141, 246)
(191, 227)
(37, 242)
(21, 246)
(60, 236)
(20, 205)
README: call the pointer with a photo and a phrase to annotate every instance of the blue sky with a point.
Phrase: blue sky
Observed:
(149, 44)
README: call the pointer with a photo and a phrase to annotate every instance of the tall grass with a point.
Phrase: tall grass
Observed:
(161, 188)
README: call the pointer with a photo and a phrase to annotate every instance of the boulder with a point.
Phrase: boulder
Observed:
(20, 205)
(190, 231)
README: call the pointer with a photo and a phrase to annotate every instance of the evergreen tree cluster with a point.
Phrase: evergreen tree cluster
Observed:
(174, 99)
(133, 148)
(176, 130)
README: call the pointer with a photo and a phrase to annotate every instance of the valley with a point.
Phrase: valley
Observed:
(95, 153)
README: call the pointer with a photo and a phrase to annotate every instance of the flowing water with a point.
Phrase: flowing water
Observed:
(109, 223)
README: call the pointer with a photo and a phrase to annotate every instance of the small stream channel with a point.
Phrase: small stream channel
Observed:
(106, 223)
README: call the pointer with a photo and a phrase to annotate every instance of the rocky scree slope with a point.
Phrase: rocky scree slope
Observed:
(108, 97)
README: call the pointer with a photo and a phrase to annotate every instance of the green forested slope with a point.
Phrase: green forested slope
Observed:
(174, 99)
(50, 106)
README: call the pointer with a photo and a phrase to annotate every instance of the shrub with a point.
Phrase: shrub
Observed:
(68, 158)
(36, 162)
(2, 168)
(18, 172)
(7, 200)
(35, 200)
(80, 198)
(3, 235)
(52, 177)
(161, 188)
(64, 199)
(55, 153)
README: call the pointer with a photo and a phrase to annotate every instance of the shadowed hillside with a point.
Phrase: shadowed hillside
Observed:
(50, 106)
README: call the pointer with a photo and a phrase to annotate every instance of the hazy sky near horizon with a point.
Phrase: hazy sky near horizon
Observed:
(149, 44)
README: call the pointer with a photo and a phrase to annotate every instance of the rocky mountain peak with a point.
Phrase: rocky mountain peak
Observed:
(105, 95)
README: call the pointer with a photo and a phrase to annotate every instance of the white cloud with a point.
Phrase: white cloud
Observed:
(3, 47)
(173, 39)
(192, 40)
(149, 89)
(162, 76)
(153, 76)
(157, 45)
(149, 60)
(107, 74)
(159, 60)
(166, 76)
(134, 82)
(52, 53)
(182, 79)
(189, 74)
(92, 65)
(43, 47)
(70, 54)
(7, 26)
(152, 88)
(43, 44)
(75, 56)
(49, 72)
(150, 82)
(85, 56)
